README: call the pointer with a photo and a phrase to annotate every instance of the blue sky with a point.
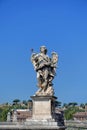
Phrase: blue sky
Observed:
(60, 25)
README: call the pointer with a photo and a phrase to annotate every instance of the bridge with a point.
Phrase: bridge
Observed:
(70, 125)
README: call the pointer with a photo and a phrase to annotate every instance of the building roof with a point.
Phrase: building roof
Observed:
(24, 114)
(80, 114)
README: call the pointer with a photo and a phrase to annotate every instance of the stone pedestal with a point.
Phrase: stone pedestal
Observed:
(42, 107)
(43, 114)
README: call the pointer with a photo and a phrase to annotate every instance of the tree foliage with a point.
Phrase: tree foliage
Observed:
(3, 113)
(57, 103)
(69, 112)
(16, 101)
(71, 109)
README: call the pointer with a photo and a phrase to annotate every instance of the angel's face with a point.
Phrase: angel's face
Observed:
(43, 50)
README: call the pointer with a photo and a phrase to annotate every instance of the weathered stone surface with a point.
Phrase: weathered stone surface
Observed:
(76, 125)
(41, 107)
(24, 126)
(45, 68)
(44, 115)
(8, 117)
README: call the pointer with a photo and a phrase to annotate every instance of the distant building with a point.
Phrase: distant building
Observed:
(86, 108)
(20, 115)
(82, 116)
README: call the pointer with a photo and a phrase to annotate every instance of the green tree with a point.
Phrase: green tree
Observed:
(16, 101)
(82, 105)
(3, 113)
(85, 104)
(30, 104)
(68, 113)
(25, 102)
(72, 104)
(57, 104)
(65, 105)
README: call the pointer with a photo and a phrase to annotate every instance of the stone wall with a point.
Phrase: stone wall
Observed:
(27, 126)
(75, 128)
(76, 125)
(71, 125)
